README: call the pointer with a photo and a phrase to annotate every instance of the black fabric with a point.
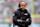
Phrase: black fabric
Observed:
(19, 14)
(24, 26)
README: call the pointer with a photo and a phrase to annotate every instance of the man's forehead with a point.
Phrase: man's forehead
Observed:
(22, 3)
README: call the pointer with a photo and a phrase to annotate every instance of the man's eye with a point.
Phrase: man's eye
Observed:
(22, 5)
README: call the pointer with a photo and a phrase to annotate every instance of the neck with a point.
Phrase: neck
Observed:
(22, 9)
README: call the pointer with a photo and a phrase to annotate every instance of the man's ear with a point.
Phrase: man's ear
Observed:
(19, 5)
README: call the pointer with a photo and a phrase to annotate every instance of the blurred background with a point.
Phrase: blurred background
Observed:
(7, 7)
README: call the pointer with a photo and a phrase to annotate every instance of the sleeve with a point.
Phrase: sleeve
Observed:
(28, 22)
(15, 19)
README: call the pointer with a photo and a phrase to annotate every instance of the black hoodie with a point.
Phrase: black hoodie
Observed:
(23, 15)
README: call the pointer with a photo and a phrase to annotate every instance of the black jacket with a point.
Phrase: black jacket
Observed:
(23, 15)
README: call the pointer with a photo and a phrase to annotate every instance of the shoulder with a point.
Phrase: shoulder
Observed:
(26, 10)
(17, 11)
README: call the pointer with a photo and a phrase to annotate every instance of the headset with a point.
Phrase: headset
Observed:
(22, 1)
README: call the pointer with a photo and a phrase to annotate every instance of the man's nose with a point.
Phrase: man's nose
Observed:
(22, 6)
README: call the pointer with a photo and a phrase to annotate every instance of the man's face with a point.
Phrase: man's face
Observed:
(23, 5)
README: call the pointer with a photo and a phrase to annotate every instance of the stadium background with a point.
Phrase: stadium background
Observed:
(7, 7)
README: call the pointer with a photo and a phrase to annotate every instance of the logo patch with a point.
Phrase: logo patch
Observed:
(25, 14)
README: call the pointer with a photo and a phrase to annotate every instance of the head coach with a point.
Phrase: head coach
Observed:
(21, 17)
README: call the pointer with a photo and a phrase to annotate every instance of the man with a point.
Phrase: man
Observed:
(21, 16)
